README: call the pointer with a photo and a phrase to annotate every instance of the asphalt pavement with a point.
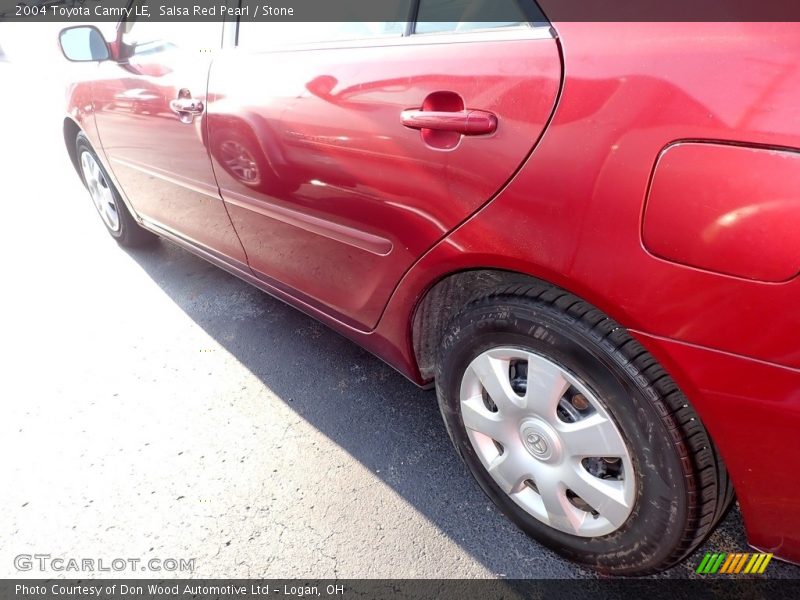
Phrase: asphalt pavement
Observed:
(154, 406)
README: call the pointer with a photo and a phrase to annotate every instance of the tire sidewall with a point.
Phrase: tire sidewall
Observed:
(82, 145)
(658, 517)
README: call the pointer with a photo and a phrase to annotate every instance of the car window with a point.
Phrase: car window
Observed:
(146, 38)
(433, 16)
(439, 16)
(266, 35)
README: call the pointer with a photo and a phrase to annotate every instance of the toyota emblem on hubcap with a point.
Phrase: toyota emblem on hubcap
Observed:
(536, 444)
(541, 443)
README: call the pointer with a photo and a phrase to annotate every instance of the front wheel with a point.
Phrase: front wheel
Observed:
(106, 199)
(576, 433)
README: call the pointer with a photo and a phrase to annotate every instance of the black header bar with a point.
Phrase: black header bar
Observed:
(74, 11)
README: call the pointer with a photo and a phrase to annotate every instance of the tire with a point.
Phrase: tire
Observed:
(115, 215)
(662, 484)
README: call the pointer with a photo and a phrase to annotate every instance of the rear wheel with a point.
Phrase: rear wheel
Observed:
(576, 433)
(106, 199)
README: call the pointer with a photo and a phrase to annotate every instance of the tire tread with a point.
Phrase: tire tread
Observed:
(709, 489)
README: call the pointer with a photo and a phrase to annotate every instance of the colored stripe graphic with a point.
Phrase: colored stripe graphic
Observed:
(718, 563)
(767, 558)
(730, 564)
(757, 566)
(752, 562)
(702, 566)
(727, 564)
(740, 564)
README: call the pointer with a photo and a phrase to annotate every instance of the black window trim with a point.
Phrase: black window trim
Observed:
(536, 29)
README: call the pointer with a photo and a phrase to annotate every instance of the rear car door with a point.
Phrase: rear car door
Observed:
(344, 151)
(149, 110)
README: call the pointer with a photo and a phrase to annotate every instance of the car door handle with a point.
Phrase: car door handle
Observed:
(186, 107)
(465, 122)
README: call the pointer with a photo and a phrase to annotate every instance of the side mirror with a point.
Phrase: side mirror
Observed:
(83, 44)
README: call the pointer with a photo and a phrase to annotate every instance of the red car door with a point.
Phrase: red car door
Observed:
(341, 161)
(149, 110)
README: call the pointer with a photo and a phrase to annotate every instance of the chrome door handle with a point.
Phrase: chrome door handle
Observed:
(465, 122)
(186, 107)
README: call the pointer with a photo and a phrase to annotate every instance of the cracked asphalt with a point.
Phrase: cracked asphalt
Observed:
(155, 406)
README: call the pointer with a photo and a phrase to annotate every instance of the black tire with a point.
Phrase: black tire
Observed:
(682, 487)
(129, 234)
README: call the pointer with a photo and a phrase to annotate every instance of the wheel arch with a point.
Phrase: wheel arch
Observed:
(441, 300)
(444, 298)
(71, 130)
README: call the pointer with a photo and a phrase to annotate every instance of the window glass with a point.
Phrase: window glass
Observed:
(146, 38)
(437, 16)
(265, 35)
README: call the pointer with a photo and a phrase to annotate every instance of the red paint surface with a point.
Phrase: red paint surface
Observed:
(161, 163)
(351, 197)
(729, 209)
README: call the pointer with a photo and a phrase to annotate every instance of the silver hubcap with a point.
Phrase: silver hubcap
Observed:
(100, 190)
(548, 442)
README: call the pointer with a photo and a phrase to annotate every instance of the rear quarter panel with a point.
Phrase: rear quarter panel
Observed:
(573, 216)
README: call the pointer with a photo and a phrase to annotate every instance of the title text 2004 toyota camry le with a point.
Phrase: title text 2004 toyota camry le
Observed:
(585, 235)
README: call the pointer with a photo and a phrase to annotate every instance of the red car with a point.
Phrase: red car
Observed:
(584, 235)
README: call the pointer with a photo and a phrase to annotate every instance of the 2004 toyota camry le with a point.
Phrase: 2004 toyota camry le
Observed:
(583, 234)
